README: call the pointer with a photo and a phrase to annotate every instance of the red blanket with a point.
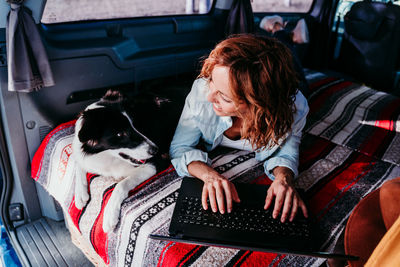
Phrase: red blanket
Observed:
(340, 163)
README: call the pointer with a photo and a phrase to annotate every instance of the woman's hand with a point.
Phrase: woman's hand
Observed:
(286, 197)
(219, 190)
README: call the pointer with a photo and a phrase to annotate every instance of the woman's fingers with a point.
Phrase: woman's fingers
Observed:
(279, 199)
(295, 206)
(211, 196)
(228, 195)
(220, 198)
(235, 195)
(268, 199)
(221, 194)
(287, 205)
(204, 196)
(287, 201)
(303, 208)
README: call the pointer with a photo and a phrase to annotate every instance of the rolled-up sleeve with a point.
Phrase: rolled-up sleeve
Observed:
(288, 154)
(187, 135)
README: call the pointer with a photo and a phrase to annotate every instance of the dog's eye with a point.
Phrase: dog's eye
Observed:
(120, 134)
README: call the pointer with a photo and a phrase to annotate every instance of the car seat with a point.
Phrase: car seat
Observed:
(370, 50)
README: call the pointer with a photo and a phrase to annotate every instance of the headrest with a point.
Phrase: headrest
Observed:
(365, 18)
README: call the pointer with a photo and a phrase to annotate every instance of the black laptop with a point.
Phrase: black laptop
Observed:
(247, 227)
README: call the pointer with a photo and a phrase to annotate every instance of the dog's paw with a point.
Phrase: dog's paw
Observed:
(81, 199)
(111, 217)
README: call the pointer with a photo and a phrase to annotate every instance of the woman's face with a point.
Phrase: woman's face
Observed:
(220, 94)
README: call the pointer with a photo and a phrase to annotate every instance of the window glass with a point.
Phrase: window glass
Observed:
(300, 6)
(57, 11)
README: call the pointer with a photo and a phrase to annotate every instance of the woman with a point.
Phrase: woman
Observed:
(246, 97)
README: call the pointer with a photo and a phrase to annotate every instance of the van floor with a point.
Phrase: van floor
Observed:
(48, 243)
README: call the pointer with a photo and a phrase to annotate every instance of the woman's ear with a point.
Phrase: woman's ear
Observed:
(242, 107)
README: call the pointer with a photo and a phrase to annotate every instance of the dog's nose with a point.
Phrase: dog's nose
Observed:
(153, 150)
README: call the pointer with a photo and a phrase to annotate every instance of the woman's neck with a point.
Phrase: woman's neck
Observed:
(233, 132)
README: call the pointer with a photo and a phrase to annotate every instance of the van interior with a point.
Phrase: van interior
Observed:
(162, 54)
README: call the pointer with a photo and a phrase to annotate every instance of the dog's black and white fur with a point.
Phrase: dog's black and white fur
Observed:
(107, 143)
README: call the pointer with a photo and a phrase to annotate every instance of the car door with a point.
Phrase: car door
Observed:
(92, 46)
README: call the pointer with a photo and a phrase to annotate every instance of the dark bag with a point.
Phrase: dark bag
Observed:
(370, 48)
(240, 18)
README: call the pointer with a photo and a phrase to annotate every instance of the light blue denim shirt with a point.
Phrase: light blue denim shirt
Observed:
(198, 121)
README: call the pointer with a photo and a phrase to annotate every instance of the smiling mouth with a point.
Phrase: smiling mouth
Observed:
(134, 161)
(217, 107)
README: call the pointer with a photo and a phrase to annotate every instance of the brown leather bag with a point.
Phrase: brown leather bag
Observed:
(370, 220)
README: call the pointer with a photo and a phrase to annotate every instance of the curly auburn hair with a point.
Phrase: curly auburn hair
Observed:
(261, 73)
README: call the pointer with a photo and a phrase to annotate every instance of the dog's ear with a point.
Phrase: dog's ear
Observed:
(85, 137)
(92, 143)
(113, 96)
(89, 132)
(160, 101)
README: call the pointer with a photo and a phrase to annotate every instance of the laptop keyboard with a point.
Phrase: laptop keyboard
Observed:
(242, 218)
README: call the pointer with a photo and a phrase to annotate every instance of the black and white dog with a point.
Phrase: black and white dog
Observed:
(124, 139)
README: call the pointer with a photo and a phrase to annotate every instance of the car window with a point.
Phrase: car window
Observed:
(295, 6)
(57, 11)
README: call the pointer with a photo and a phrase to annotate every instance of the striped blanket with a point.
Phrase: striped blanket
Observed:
(349, 149)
